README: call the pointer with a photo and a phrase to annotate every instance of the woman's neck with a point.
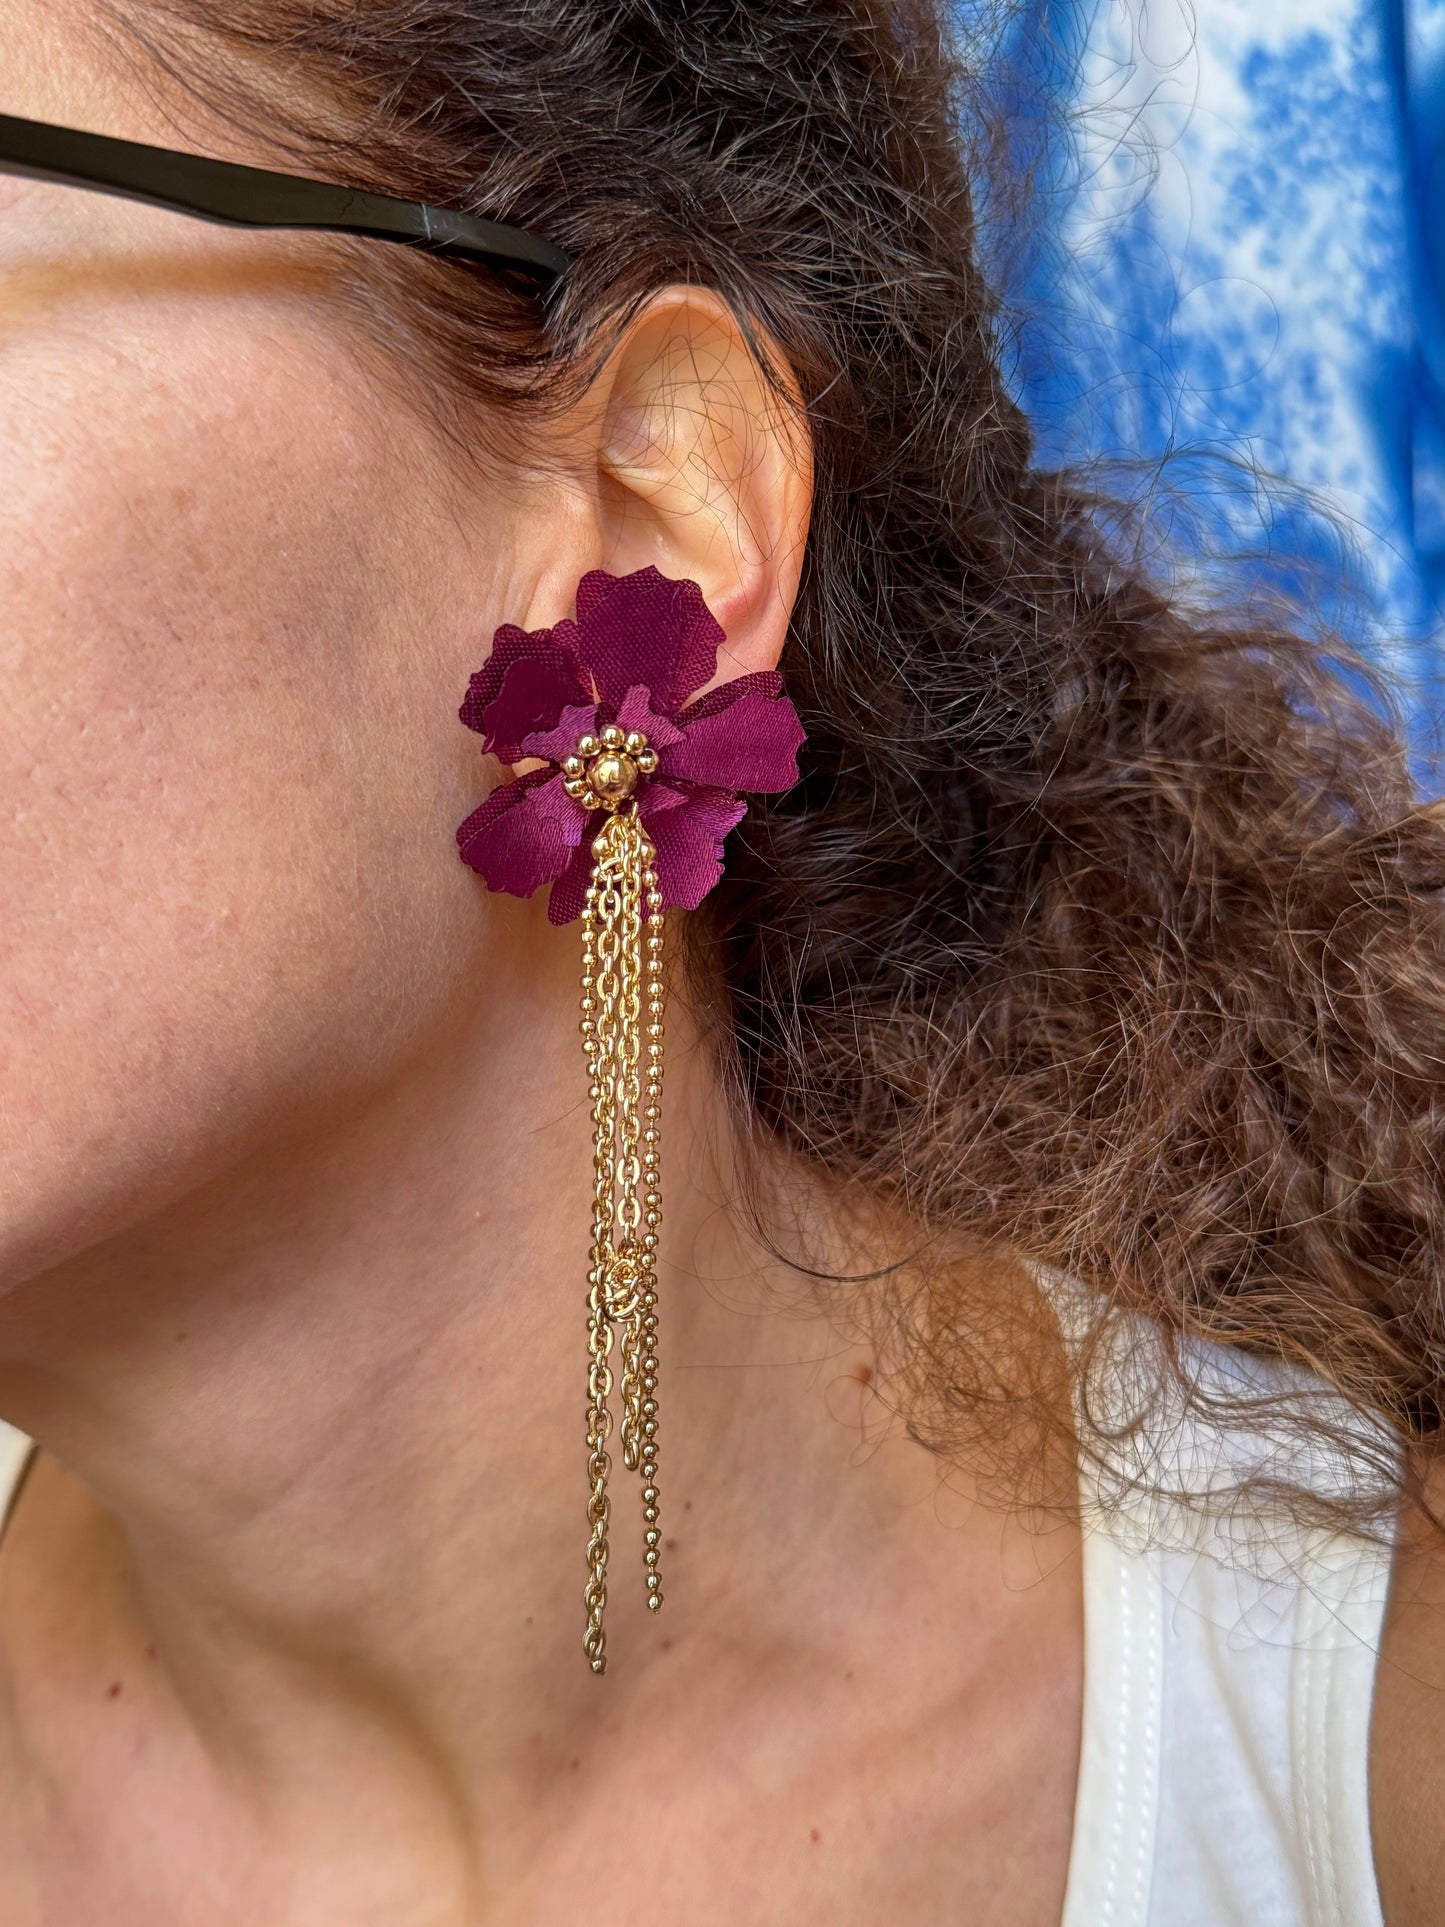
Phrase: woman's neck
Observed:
(322, 1425)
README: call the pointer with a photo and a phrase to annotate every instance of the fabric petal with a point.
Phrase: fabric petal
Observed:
(654, 796)
(687, 834)
(569, 892)
(592, 591)
(508, 644)
(635, 711)
(576, 721)
(645, 629)
(751, 744)
(511, 645)
(523, 834)
(533, 697)
(766, 682)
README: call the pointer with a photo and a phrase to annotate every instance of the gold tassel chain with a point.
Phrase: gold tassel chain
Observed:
(622, 1011)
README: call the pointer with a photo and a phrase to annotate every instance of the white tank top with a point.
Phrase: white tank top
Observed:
(1229, 1652)
(1228, 1669)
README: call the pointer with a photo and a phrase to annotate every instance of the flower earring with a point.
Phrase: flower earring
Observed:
(625, 820)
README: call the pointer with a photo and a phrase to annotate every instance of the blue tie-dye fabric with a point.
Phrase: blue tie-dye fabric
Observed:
(1238, 251)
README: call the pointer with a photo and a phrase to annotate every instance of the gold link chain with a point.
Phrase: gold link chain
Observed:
(622, 1034)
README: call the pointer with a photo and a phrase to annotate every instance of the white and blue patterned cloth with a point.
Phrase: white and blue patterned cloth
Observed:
(1236, 256)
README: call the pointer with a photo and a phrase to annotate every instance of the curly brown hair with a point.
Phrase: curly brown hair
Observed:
(1100, 928)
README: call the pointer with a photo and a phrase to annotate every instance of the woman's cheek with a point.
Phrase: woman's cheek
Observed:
(218, 826)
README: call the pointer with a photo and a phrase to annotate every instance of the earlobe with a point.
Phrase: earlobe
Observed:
(704, 470)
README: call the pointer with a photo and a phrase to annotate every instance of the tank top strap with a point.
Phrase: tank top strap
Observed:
(1116, 1807)
(1224, 1769)
(1230, 1650)
(16, 1449)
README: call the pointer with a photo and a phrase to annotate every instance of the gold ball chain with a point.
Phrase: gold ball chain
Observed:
(622, 971)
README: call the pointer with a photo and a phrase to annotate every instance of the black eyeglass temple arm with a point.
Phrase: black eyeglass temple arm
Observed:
(242, 196)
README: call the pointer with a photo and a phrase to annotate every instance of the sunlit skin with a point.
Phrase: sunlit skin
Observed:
(294, 1164)
(294, 1193)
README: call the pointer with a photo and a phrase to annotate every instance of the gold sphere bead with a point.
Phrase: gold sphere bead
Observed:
(647, 761)
(588, 746)
(572, 766)
(613, 776)
(613, 737)
(634, 742)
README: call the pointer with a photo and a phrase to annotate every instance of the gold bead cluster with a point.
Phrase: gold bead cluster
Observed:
(602, 772)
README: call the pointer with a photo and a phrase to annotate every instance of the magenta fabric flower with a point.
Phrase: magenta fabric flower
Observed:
(617, 683)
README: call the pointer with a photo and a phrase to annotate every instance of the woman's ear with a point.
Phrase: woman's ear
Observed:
(703, 469)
